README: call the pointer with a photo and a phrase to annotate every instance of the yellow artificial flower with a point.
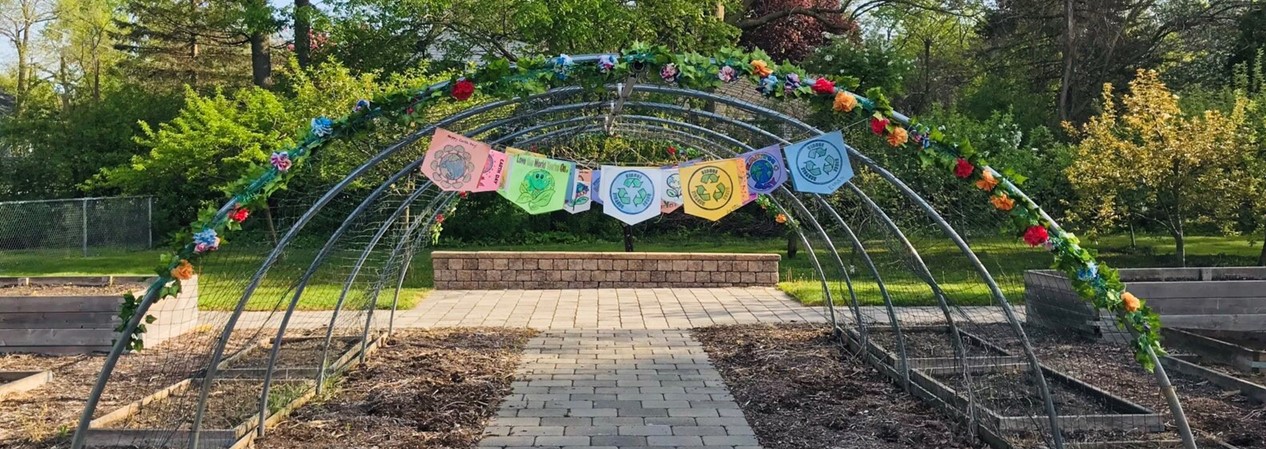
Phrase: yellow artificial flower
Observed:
(761, 69)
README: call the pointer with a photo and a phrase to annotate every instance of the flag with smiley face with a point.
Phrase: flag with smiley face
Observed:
(537, 184)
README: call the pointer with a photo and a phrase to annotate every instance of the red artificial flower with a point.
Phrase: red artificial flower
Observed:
(463, 194)
(239, 215)
(463, 89)
(672, 151)
(878, 125)
(1035, 235)
(963, 169)
(439, 218)
(823, 86)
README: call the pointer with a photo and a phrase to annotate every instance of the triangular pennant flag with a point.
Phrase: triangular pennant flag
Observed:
(454, 162)
(714, 189)
(494, 170)
(631, 194)
(820, 164)
(537, 184)
(580, 195)
(765, 170)
(670, 198)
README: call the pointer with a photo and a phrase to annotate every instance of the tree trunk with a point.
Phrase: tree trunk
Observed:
(193, 47)
(793, 245)
(628, 239)
(1066, 79)
(23, 79)
(261, 60)
(303, 30)
(1180, 246)
(1134, 243)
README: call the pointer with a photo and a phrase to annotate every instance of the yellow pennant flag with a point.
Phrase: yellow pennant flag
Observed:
(713, 189)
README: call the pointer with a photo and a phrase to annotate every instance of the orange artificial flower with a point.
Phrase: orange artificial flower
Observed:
(183, 271)
(898, 136)
(761, 69)
(844, 102)
(1130, 302)
(1002, 202)
(780, 218)
(986, 182)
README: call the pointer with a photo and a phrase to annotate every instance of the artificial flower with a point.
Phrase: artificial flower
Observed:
(439, 218)
(727, 74)
(463, 194)
(768, 85)
(206, 240)
(361, 105)
(1035, 235)
(986, 182)
(897, 137)
(878, 125)
(669, 72)
(463, 89)
(844, 102)
(1088, 272)
(792, 82)
(239, 215)
(672, 151)
(606, 63)
(183, 271)
(322, 126)
(761, 69)
(562, 65)
(1002, 202)
(963, 169)
(823, 86)
(1130, 302)
(280, 160)
(781, 218)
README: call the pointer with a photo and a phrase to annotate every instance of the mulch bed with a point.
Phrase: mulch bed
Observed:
(71, 290)
(798, 390)
(421, 389)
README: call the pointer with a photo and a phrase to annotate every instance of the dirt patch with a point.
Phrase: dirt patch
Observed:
(421, 389)
(924, 343)
(302, 353)
(229, 404)
(798, 390)
(71, 290)
(1013, 392)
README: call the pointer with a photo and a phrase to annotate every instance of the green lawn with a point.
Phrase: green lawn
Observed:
(1006, 259)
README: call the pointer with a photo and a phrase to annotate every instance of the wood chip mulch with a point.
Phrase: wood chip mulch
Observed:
(421, 389)
(798, 390)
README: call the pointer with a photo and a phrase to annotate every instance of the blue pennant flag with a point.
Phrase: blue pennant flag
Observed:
(819, 165)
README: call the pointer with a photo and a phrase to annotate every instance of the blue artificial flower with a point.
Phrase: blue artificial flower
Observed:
(361, 105)
(206, 238)
(606, 63)
(1088, 272)
(562, 65)
(769, 84)
(322, 126)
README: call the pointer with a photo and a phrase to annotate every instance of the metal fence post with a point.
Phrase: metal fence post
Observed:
(85, 226)
(149, 220)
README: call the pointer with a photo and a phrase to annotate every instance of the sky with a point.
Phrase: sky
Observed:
(8, 56)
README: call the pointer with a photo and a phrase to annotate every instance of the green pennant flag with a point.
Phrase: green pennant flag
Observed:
(537, 184)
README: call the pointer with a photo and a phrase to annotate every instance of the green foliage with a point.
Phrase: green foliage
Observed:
(870, 64)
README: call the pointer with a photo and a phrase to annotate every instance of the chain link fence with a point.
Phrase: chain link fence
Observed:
(84, 226)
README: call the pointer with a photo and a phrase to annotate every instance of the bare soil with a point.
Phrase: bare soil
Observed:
(799, 390)
(421, 389)
(300, 353)
(925, 343)
(229, 404)
(71, 290)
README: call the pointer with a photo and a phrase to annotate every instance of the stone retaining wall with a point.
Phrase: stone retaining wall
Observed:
(494, 270)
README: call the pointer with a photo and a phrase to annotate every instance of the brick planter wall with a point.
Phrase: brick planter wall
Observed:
(495, 270)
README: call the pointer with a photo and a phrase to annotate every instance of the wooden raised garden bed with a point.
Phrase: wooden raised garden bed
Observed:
(1243, 351)
(1227, 299)
(299, 358)
(230, 421)
(13, 382)
(76, 315)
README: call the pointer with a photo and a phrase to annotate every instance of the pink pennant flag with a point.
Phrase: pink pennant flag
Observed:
(454, 162)
(494, 170)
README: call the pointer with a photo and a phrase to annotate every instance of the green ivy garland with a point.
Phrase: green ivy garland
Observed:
(1094, 281)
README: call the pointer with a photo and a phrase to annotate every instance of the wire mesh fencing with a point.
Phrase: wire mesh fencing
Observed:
(84, 226)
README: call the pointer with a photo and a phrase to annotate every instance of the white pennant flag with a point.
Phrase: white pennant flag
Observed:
(631, 194)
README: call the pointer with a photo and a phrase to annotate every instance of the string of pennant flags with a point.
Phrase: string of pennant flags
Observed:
(709, 189)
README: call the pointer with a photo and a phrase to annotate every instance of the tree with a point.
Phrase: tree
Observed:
(19, 20)
(303, 32)
(1151, 161)
(793, 37)
(84, 33)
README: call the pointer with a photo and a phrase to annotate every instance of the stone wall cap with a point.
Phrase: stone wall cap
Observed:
(603, 255)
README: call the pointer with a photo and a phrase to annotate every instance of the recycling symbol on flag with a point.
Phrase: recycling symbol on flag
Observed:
(630, 194)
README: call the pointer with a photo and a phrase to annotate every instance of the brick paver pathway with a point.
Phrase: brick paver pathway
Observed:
(617, 389)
